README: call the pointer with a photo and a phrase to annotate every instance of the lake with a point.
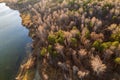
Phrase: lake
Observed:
(14, 42)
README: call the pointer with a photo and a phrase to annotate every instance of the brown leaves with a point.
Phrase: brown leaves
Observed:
(97, 65)
(95, 36)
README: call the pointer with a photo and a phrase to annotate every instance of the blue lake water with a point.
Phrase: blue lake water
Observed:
(13, 42)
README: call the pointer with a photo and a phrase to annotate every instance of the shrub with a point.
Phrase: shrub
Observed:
(72, 2)
(60, 40)
(91, 24)
(74, 28)
(114, 17)
(117, 60)
(77, 31)
(105, 45)
(74, 41)
(86, 2)
(51, 38)
(78, 34)
(109, 5)
(59, 1)
(116, 36)
(96, 44)
(50, 48)
(43, 51)
(54, 54)
(57, 37)
(115, 43)
(60, 37)
(20, 1)
(87, 33)
(60, 33)
(104, 8)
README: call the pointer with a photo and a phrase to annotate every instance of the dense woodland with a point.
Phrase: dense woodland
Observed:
(73, 39)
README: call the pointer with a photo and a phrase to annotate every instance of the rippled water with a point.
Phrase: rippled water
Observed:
(13, 40)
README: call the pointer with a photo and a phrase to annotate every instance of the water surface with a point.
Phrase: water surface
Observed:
(13, 40)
